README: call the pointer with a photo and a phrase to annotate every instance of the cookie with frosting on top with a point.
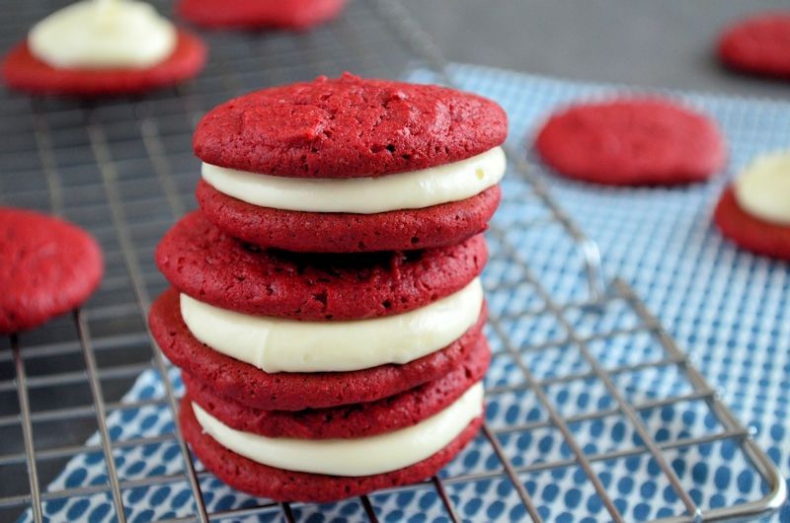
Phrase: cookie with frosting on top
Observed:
(352, 165)
(103, 48)
(754, 210)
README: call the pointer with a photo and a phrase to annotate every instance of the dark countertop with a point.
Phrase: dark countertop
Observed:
(667, 43)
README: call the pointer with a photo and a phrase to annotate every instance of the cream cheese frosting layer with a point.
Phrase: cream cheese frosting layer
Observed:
(352, 457)
(409, 190)
(282, 345)
(763, 188)
(103, 34)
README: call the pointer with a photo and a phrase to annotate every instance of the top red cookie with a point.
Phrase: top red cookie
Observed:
(347, 128)
(760, 44)
(286, 14)
(632, 142)
(47, 267)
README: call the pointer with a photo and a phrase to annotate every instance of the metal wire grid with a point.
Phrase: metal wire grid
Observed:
(376, 39)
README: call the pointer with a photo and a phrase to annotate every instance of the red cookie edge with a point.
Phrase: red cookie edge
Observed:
(283, 485)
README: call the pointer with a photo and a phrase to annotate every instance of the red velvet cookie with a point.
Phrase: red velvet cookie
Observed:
(47, 267)
(436, 226)
(349, 421)
(284, 14)
(760, 45)
(255, 388)
(285, 485)
(207, 264)
(750, 232)
(348, 128)
(632, 142)
(21, 70)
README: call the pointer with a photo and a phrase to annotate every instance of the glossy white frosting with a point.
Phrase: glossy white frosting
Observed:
(282, 345)
(103, 34)
(352, 457)
(763, 188)
(409, 190)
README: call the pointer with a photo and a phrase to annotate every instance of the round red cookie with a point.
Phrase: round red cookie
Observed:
(750, 232)
(284, 14)
(348, 128)
(255, 388)
(349, 421)
(47, 267)
(759, 45)
(402, 230)
(21, 70)
(646, 141)
(200, 260)
(285, 485)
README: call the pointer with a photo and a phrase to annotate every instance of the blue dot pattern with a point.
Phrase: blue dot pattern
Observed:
(726, 307)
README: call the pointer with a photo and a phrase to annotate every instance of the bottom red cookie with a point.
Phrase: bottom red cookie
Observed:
(284, 485)
(21, 70)
(750, 232)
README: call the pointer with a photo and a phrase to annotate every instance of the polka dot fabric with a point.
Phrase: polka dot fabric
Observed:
(726, 307)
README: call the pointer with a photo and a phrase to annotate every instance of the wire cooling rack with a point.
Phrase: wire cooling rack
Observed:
(124, 170)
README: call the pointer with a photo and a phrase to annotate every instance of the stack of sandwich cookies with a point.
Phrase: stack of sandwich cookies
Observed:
(338, 367)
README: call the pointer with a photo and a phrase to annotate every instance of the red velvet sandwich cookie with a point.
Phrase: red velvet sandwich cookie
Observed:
(283, 14)
(758, 45)
(287, 485)
(632, 142)
(95, 48)
(754, 211)
(47, 267)
(202, 261)
(251, 386)
(349, 421)
(352, 165)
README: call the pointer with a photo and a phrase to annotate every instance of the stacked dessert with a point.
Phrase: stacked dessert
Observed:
(326, 307)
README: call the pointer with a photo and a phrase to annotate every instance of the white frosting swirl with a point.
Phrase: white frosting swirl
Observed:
(282, 345)
(763, 188)
(409, 190)
(351, 457)
(103, 34)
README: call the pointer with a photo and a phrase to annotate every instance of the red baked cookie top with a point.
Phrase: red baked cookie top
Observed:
(202, 261)
(47, 267)
(291, 391)
(21, 70)
(250, 14)
(749, 231)
(349, 421)
(759, 44)
(639, 141)
(348, 127)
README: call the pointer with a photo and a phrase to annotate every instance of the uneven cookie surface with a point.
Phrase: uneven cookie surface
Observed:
(759, 45)
(47, 267)
(284, 14)
(750, 232)
(200, 260)
(632, 142)
(282, 485)
(21, 70)
(350, 421)
(306, 130)
(296, 391)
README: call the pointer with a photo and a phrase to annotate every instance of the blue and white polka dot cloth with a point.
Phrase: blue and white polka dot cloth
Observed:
(727, 307)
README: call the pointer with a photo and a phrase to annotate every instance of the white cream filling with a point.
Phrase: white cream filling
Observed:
(103, 34)
(352, 457)
(282, 345)
(763, 188)
(409, 190)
